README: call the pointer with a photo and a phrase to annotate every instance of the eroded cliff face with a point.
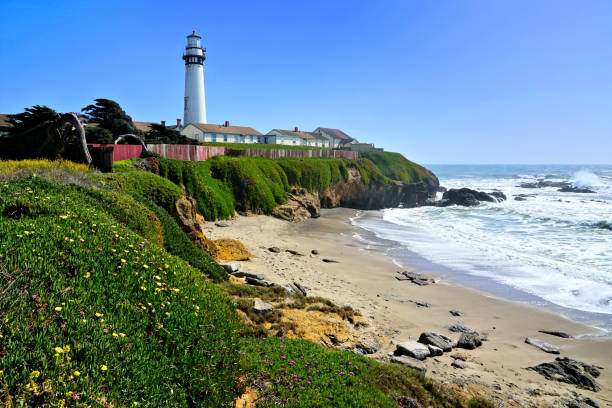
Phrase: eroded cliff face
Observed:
(354, 193)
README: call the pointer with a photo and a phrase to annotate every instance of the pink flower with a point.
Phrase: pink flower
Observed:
(82, 313)
(34, 296)
(105, 330)
(75, 396)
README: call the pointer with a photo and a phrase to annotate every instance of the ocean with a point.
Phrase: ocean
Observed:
(552, 249)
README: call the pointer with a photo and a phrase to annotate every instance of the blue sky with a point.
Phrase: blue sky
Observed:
(465, 81)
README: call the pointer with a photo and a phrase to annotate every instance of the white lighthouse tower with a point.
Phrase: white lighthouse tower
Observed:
(195, 104)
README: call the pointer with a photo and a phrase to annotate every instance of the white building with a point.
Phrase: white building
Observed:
(206, 132)
(294, 138)
(195, 104)
(336, 137)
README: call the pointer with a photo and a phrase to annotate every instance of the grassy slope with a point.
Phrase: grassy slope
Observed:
(396, 167)
(83, 293)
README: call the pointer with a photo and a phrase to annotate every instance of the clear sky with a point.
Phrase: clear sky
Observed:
(463, 81)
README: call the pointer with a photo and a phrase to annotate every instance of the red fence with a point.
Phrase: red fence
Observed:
(202, 153)
(187, 152)
(122, 152)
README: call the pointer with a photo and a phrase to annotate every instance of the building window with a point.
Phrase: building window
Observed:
(225, 138)
(197, 137)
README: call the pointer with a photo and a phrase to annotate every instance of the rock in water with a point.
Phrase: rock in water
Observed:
(569, 371)
(437, 340)
(556, 333)
(549, 348)
(412, 349)
(469, 198)
(262, 308)
(469, 341)
(410, 362)
(573, 189)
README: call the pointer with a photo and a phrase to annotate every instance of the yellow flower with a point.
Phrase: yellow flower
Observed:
(34, 374)
(76, 373)
(58, 309)
(115, 334)
(63, 217)
(84, 321)
(145, 266)
(123, 260)
(103, 367)
(99, 315)
(157, 277)
(1, 372)
(143, 288)
(66, 348)
(122, 334)
(58, 350)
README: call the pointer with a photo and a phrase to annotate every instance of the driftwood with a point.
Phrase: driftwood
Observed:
(72, 119)
(129, 136)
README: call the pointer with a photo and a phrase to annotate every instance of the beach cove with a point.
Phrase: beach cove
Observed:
(365, 278)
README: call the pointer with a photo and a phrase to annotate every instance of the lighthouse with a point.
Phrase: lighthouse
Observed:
(195, 104)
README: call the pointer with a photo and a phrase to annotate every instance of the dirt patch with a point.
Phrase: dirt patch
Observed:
(231, 250)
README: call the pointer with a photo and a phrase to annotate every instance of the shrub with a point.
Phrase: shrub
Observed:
(130, 180)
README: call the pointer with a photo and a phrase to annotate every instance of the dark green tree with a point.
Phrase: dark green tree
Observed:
(27, 132)
(109, 115)
(41, 132)
(161, 134)
(97, 134)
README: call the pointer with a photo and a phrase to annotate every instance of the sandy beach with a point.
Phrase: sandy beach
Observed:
(365, 279)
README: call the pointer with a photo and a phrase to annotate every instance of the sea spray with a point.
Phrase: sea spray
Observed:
(585, 179)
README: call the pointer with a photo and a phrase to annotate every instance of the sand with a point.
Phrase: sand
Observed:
(366, 280)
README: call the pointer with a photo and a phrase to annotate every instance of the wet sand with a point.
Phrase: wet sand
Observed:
(365, 279)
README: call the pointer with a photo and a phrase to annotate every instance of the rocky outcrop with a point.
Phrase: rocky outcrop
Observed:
(354, 193)
(300, 206)
(570, 371)
(191, 223)
(467, 197)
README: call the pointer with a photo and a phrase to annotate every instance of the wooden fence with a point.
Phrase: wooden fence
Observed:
(202, 153)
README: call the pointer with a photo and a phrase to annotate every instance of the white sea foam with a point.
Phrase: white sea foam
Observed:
(552, 245)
